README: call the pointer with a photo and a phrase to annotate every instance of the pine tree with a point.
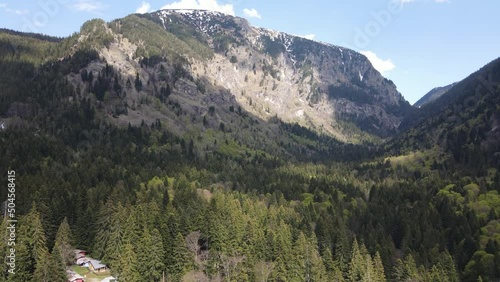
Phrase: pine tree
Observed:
(43, 268)
(398, 272)
(131, 229)
(357, 266)
(128, 264)
(31, 246)
(281, 242)
(299, 262)
(378, 269)
(449, 267)
(254, 241)
(50, 269)
(411, 268)
(150, 255)
(157, 254)
(104, 224)
(138, 82)
(58, 267)
(181, 258)
(63, 247)
(317, 268)
(342, 251)
(369, 273)
(115, 238)
(169, 229)
(329, 263)
(25, 264)
(37, 236)
(406, 270)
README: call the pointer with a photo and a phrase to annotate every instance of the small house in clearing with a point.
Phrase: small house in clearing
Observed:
(97, 266)
(74, 277)
(82, 262)
(79, 254)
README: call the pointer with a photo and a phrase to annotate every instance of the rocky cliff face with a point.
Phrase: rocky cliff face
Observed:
(330, 89)
(318, 85)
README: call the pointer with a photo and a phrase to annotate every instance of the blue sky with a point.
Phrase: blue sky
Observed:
(419, 44)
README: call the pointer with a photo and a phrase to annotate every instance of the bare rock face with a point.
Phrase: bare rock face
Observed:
(330, 89)
(270, 73)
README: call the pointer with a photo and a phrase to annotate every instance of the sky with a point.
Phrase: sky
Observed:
(418, 44)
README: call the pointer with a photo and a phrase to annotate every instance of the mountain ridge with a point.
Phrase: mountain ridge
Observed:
(434, 94)
(326, 94)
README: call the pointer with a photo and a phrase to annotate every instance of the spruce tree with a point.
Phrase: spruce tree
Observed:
(31, 246)
(169, 229)
(357, 265)
(104, 224)
(37, 236)
(150, 255)
(157, 254)
(128, 264)
(378, 269)
(50, 269)
(116, 238)
(317, 270)
(63, 245)
(58, 267)
(25, 264)
(181, 258)
(300, 260)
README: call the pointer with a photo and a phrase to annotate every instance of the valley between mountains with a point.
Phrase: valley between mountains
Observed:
(188, 145)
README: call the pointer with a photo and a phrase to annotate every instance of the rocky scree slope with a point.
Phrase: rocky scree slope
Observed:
(330, 89)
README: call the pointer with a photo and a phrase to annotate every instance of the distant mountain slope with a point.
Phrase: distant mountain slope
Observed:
(42, 77)
(433, 95)
(465, 121)
(329, 89)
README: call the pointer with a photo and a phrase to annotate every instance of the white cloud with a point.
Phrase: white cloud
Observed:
(379, 64)
(252, 13)
(88, 6)
(17, 12)
(309, 36)
(210, 5)
(13, 11)
(144, 8)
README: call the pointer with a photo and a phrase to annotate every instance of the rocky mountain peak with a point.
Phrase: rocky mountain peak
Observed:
(319, 85)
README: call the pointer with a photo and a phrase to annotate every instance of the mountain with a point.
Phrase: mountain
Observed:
(464, 121)
(433, 95)
(329, 89)
(154, 136)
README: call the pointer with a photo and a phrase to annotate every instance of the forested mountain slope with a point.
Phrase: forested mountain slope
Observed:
(433, 95)
(464, 121)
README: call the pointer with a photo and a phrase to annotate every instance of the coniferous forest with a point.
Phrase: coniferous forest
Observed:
(227, 196)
